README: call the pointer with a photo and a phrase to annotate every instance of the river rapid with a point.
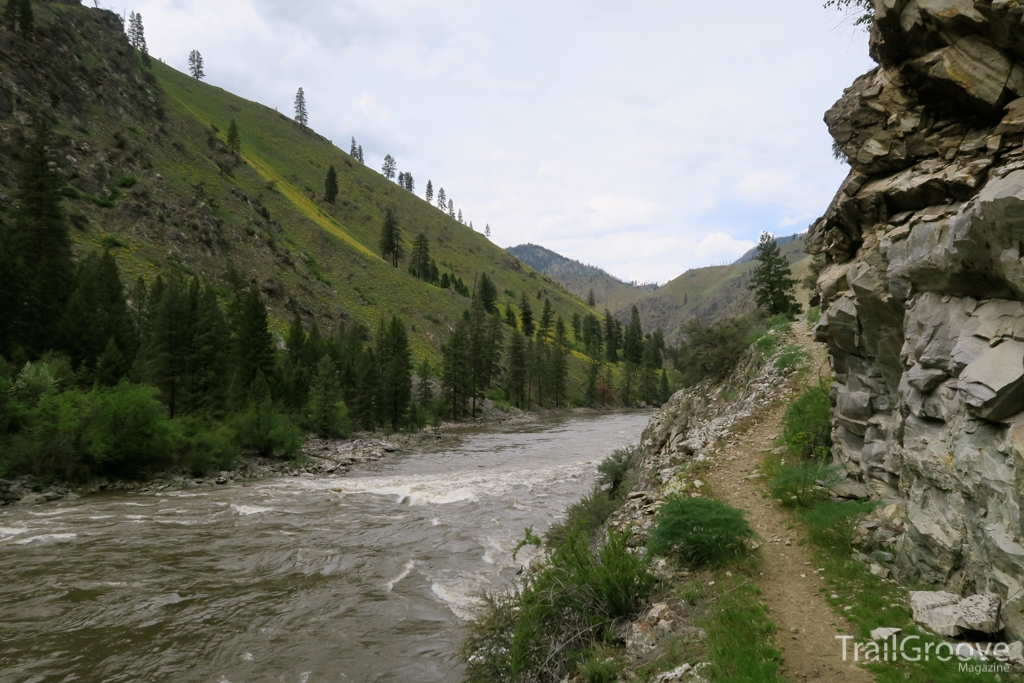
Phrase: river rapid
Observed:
(366, 576)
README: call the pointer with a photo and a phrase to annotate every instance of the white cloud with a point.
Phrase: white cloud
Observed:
(643, 137)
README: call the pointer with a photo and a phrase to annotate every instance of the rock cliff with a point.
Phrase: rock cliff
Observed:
(923, 289)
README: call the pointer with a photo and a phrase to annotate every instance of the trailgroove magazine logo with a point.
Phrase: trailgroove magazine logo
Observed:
(972, 658)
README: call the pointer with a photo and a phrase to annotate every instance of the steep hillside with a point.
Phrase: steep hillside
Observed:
(579, 278)
(150, 177)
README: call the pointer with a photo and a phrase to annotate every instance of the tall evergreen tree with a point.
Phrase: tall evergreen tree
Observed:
(331, 185)
(460, 216)
(234, 140)
(361, 159)
(633, 343)
(209, 362)
(389, 167)
(590, 395)
(97, 315)
(39, 247)
(487, 230)
(544, 325)
(326, 414)
(424, 391)
(649, 390)
(611, 338)
(252, 343)
(577, 325)
(517, 368)
(422, 265)
(526, 316)
(772, 281)
(301, 115)
(353, 150)
(442, 201)
(663, 388)
(429, 194)
(396, 372)
(410, 184)
(391, 239)
(366, 396)
(487, 292)
(559, 363)
(195, 65)
(510, 317)
(170, 344)
(590, 299)
(295, 374)
(451, 208)
(456, 370)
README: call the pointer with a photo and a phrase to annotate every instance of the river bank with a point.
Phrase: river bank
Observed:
(319, 457)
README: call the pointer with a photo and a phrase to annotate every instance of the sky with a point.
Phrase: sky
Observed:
(646, 137)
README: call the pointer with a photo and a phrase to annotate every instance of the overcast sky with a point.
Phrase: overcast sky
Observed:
(643, 137)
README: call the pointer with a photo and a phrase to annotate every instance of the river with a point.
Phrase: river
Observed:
(366, 576)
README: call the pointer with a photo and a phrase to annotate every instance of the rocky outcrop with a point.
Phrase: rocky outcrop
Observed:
(923, 289)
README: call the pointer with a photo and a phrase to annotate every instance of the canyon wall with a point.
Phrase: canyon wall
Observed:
(922, 292)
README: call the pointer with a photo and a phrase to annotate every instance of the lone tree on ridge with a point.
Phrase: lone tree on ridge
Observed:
(195, 65)
(772, 281)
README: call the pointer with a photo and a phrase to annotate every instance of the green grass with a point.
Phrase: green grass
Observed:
(740, 635)
(700, 531)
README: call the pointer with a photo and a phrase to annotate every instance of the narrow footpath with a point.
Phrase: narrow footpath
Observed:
(806, 625)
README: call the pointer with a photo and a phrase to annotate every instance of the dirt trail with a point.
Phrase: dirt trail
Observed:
(806, 624)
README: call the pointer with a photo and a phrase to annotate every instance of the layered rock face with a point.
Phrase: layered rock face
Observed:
(923, 289)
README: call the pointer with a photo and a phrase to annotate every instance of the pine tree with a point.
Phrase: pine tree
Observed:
(209, 363)
(137, 36)
(170, 344)
(487, 231)
(487, 292)
(632, 345)
(429, 194)
(361, 159)
(424, 393)
(611, 341)
(516, 367)
(410, 184)
(510, 317)
(195, 65)
(451, 208)
(252, 343)
(396, 372)
(559, 363)
(331, 185)
(590, 299)
(353, 150)
(326, 414)
(456, 371)
(460, 216)
(590, 395)
(526, 316)
(389, 167)
(577, 325)
(649, 390)
(422, 265)
(295, 372)
(663, 387)
(442, 201)
(366, 401)
(772, 281)
(391, 239)
(234, 140)
(544, 325)
(301, 115)
(38, 246)
(401, 179)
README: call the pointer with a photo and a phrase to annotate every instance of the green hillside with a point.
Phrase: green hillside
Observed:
(150, 177)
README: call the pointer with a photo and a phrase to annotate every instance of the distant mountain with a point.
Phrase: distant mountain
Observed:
(709, 294)
(580, 278)
(712, 293)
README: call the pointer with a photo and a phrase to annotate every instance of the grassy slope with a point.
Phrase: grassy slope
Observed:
(277, 149)
(186, 209)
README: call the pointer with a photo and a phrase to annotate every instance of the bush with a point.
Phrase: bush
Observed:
(570, 603)
(700, 531)
(834, 522)
(585, 516)
(791, 357)
(713, 351)
(804, 485)
(262, 428)
(596, 670)
(209, 447)
(127, 180)
(613, 470)
(807, 424)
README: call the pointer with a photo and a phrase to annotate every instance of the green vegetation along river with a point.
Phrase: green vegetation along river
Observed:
(361, 577)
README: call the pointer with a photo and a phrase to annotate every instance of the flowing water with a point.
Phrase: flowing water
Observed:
(366, 576)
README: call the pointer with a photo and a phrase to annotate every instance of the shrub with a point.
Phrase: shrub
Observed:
(585, 516)
(700, 531)
(613, 470)
(126, 180)
(211, 448)
(791, 357)
(712, 351)
(834, 522)
(596, 670)
(804, 485)
(570, 603)
(265, 430)
(807, 424)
